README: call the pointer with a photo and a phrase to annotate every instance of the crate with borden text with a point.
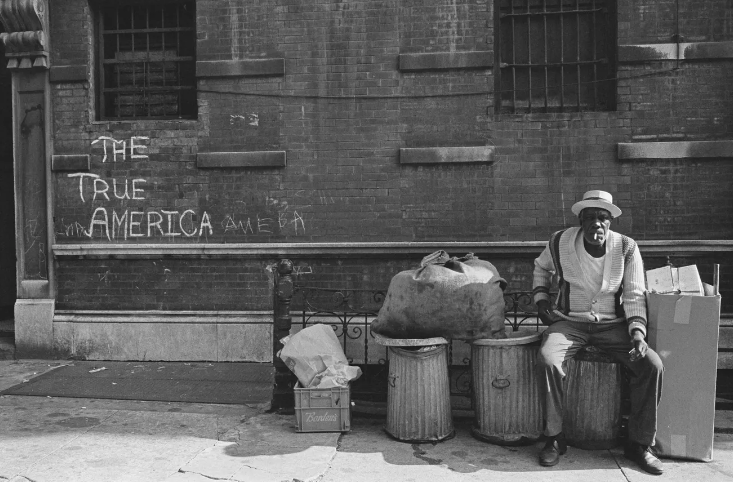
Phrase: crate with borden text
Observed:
(322, 409)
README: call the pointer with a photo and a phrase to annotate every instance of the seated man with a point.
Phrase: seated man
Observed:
(601, 301)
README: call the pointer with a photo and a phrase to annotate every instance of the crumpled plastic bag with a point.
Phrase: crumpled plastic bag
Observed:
(315, 356)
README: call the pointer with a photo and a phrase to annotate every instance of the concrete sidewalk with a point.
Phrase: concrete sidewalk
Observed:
(79, 440)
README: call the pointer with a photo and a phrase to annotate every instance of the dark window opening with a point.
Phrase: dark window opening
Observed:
(555, 56)
(148, 62)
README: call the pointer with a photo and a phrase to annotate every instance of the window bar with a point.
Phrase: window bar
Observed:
(148, 107)
(132, 46)
(544, 30)
(595, 55)
(162, 42)
(499, 49)
(562, 57)
(529, 58)
(514, 61)
(118, 96)
(577, 50)
(178, 63)
(100, 46)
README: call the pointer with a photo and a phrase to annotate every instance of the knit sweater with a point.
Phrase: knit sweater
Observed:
(622, 293)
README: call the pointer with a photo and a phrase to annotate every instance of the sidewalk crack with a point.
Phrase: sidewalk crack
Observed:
(181, 471)
(623, 472)
(329, 465)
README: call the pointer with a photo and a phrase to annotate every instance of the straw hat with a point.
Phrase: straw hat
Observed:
(597, 199)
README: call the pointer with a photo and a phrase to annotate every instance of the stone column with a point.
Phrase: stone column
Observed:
(26, 47)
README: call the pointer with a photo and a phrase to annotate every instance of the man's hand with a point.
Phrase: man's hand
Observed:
(640, 346)
(543, 311)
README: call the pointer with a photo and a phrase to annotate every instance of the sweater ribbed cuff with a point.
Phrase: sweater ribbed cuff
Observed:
(637, 323)
(540, 295)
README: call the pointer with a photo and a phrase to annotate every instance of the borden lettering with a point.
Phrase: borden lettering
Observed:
(326, 417)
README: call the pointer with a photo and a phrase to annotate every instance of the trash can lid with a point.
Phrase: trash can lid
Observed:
(383, 340)
(521, 337)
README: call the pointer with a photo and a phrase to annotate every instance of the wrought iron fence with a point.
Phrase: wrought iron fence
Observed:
(350, 313)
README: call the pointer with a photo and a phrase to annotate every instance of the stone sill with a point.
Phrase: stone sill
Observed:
(669, 51)
(206, 160)
(446, 60)
(240, 68)
(361, 249)
(675, 150)
(447, 155)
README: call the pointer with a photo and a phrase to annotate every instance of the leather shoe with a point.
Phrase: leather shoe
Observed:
(554, 448)
(644, 458)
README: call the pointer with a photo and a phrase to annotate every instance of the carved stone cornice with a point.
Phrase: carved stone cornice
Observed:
(26, 33)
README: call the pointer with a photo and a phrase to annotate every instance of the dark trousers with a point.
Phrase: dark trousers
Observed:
(562, 340)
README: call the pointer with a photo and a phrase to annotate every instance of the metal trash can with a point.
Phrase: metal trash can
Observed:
(592, 410)
(418, 395)
(506, 390)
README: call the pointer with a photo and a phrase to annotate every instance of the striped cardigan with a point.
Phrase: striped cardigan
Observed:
(622, 295)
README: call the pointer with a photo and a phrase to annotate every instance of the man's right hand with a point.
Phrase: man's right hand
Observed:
(544, 313)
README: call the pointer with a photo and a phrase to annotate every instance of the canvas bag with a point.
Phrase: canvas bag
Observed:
(456, 298)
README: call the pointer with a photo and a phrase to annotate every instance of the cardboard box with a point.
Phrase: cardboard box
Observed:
(322, 409)
(683, 330)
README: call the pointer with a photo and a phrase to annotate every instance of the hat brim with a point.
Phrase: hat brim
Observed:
(596, 203)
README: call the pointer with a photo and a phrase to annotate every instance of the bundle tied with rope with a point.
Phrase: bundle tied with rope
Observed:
(456, 298)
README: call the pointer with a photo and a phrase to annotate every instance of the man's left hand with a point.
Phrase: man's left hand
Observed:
(640, 346)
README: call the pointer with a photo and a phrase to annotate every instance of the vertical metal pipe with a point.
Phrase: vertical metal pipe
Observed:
(282, 397)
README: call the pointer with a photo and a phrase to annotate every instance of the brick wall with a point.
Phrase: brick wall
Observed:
(656, 21)
(341, 112)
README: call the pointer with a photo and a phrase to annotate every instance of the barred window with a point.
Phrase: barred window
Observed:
(147, 56)
(555, 56)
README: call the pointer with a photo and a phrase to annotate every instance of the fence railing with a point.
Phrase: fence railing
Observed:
(350, 313)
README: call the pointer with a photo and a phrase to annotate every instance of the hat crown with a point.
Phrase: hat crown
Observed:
(596, 199)
(598, 195)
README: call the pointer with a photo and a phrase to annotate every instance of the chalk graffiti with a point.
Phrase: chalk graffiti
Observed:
(125, 221)
(130, 224)
(101, 186)
(113, 143)
(250, 119)
(263, 225)
(74, 229)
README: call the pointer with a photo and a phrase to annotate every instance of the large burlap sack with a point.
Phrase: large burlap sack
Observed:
(457, 298)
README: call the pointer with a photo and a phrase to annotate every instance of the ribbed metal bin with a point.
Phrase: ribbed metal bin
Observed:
(507, 403)
(418, 395)
(592, 413)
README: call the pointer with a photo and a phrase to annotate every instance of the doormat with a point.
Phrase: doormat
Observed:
(195, 382)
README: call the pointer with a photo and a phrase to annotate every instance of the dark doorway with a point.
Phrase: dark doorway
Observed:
(7, 199)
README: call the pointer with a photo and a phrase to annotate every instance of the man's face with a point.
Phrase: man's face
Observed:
(595, 223)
